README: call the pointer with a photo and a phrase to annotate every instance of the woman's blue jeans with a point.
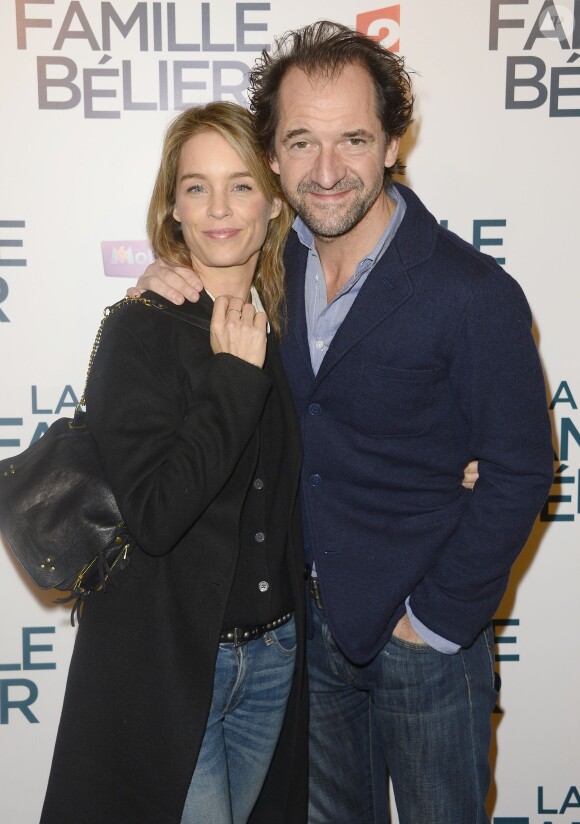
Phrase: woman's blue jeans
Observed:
(251, 687)
(421, 716)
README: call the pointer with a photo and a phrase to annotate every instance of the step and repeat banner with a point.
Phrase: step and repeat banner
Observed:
(87, 90)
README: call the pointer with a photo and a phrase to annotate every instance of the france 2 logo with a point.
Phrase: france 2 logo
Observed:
(382, 25)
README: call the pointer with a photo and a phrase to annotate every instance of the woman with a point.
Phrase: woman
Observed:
(185, 699)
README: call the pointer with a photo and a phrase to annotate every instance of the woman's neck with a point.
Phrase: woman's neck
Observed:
(219, 283)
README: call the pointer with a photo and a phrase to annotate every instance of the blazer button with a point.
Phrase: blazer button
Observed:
(260, 537)
(258, 483)
(314, 409)
(315, 480)
(263, 586)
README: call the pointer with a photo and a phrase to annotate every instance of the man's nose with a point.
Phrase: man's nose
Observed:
(329, 168)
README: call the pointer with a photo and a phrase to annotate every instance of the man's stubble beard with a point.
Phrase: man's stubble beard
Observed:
(338, 224)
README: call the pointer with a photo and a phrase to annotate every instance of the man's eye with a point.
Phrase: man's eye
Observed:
(356, 141)
(300, 144)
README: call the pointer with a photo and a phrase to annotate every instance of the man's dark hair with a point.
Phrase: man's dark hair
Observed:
(324, 49)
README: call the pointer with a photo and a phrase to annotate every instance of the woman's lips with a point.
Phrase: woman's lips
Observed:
(221, 234)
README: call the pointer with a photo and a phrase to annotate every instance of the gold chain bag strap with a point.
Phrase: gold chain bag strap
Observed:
(57, 510)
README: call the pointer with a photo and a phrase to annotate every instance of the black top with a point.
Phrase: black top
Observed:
(261, 590)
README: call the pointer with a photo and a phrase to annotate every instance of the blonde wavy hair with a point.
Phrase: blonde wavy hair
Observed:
(234, 124)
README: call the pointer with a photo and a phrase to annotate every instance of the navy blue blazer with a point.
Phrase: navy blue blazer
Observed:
(434, 365)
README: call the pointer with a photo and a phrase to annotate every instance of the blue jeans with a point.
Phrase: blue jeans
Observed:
(421, 716)
(251, 687)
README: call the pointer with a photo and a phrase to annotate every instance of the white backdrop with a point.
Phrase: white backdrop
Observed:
(87, 89)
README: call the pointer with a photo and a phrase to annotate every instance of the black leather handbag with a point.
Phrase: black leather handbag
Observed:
(57, 511)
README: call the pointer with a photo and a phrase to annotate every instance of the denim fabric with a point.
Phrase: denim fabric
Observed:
(251, 687)
(420, 715)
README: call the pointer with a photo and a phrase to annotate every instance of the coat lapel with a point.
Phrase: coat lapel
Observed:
(295, 257)
(291, 427)
(386, 289)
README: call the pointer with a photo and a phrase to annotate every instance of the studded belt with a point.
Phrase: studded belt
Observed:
(314, 589)
(241, 635)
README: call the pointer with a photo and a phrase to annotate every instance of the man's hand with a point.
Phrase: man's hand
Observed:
(470, 475)
(405, 632)
(174, 283)
(236, 328)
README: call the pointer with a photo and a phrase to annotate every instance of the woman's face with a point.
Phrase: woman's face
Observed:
(224, 216)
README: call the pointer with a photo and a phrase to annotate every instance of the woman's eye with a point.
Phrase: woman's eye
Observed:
(243, 187)
(195, 188)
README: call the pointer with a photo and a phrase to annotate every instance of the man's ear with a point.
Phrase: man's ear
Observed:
(391, 152)
(274, 165)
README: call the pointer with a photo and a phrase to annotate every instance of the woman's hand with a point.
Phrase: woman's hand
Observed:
(237, 329)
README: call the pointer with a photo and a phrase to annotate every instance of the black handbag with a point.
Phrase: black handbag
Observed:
(57, 511)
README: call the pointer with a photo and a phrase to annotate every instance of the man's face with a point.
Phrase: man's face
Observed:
(330, 149)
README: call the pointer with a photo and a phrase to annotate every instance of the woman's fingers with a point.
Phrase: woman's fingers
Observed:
(237, 329)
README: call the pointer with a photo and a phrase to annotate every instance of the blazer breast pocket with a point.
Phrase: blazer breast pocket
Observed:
(395, 403)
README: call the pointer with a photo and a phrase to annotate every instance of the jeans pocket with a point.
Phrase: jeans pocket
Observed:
(340, 666)
(284, 638)
(412, 645)
(490, 650)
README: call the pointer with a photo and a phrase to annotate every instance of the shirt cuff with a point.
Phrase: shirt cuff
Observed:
(430, 637)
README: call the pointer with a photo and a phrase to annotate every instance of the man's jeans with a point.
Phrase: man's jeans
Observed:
(251, 687)
(420, 715)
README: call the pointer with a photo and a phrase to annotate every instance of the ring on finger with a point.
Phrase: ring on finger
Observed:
(239, 311)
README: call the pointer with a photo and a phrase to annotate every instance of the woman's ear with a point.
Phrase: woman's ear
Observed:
(275, 208)
(176, 215)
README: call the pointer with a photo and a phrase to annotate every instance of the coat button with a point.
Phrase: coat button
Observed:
(315, 480)
(314, 409)
(260, 537)
(258, 483)
(263, 586)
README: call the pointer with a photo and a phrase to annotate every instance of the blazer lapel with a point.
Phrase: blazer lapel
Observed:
(386, 289)
(388, 286)
(296, 336)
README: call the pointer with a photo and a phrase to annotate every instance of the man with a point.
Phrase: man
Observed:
(408, 354)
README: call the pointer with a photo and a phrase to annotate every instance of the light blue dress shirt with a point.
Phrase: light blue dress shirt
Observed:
(323, 319)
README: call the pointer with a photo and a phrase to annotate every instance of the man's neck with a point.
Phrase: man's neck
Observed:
(339, 256)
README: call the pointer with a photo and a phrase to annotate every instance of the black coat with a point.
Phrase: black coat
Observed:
(177, 430)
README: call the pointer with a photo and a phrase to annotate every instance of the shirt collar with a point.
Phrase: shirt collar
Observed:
(256, 302)
(306, 237)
